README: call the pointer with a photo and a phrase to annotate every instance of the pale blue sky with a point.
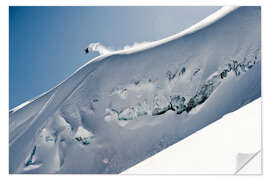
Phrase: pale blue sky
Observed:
(46, 43)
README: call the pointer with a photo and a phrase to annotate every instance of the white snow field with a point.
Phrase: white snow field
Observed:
(228, 146)
(121, 108)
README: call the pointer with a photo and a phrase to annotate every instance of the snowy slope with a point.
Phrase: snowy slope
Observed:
(227, 146)
(122, 108)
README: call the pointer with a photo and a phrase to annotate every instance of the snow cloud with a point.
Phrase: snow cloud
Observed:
(98, 47)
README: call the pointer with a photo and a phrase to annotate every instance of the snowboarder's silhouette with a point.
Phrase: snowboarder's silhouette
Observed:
(86, 50)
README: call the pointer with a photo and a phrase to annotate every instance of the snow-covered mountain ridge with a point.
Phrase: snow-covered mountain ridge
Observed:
(121, 108)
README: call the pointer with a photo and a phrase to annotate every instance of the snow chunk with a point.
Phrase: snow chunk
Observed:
(84, 136)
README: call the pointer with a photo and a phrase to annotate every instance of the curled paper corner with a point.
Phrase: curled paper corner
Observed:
(245, 159)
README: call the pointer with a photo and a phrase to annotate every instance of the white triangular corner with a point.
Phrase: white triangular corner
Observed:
(249, 164)
(231, 145)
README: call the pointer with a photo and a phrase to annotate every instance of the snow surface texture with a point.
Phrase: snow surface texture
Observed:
(124, 107)
(231, 145)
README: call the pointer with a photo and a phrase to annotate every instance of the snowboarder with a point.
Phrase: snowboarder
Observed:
(86, 50)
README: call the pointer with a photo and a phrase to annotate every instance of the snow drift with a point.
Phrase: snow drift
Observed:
(126, 106)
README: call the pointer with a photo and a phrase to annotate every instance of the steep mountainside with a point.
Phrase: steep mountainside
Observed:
(121, 108)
